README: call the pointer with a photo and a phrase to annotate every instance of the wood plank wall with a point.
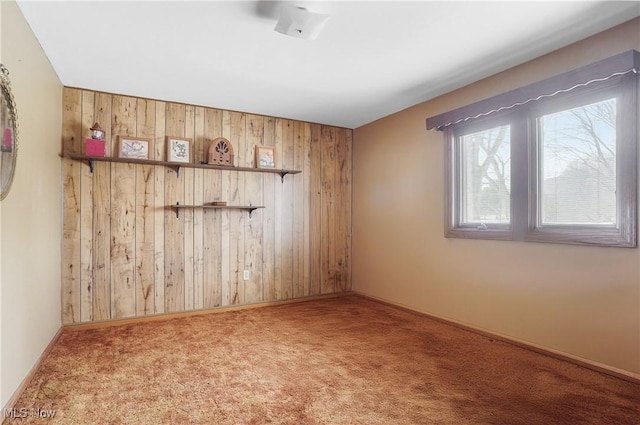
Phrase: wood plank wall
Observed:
(125, 254)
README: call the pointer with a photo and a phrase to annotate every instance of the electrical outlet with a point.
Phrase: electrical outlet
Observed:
(246, 275)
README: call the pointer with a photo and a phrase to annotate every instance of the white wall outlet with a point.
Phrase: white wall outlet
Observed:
(246, 275)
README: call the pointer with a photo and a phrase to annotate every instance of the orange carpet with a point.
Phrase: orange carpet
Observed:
(335, 361)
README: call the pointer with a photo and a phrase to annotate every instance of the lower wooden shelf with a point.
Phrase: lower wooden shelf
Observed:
(248, 208)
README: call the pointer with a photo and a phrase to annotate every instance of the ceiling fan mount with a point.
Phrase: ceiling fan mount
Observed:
(300, 22)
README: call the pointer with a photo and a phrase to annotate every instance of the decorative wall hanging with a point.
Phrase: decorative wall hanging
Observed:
(220, 152)
(96, 145)
(9, 123)
(265, 157)
(133, 147)
(178, 149)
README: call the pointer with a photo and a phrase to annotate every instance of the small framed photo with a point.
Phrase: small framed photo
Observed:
(178, 149)
(265, 157)
(133, 147)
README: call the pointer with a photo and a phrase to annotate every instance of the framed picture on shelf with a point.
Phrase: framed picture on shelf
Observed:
(265, 157)
(178, 149)
(133, 147)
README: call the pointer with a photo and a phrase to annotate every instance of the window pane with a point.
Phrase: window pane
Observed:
(578, 172)
(486, 176)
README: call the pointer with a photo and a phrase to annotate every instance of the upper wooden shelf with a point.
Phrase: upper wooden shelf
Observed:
(175, 165)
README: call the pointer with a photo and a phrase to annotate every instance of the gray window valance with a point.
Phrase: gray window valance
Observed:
(615, 66)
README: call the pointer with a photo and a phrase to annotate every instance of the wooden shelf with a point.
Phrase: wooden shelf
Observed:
(248, 208)
(174, 165)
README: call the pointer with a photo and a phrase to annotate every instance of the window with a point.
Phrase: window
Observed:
(577, 165)
(481, 200)
(559, 168)
(485, 180)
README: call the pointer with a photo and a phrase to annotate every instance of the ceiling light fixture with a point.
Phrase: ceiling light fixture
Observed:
(299, 22)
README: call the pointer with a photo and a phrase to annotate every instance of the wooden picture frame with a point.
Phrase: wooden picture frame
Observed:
(178, 149)
(133, 147)
(265, 157)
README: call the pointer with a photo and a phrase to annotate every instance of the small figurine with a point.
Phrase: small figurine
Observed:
(97, 132)
(96, 146)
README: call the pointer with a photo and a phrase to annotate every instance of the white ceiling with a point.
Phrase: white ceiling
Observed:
(372, 58)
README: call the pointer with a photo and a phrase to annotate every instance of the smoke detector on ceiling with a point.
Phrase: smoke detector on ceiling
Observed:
(299, 22)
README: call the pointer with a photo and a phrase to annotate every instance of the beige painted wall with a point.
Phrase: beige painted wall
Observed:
(1, 394)
(30, 231)
(581, 301)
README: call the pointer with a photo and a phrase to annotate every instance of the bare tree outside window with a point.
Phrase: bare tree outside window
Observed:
(578, 165)
(486, 176)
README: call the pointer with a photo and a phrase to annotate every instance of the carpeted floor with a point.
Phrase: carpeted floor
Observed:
(334, 361)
